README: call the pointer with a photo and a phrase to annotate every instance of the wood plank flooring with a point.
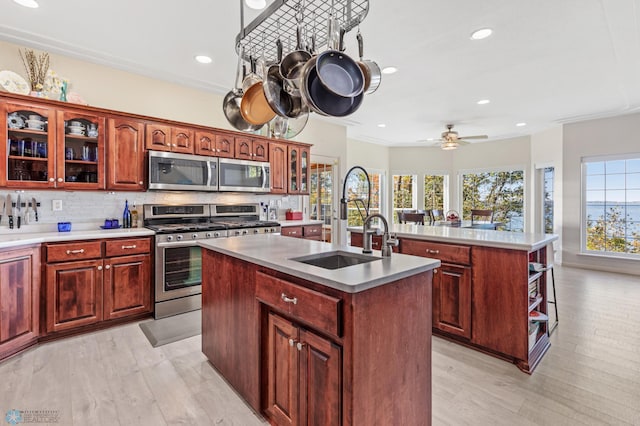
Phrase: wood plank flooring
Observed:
(591, 374)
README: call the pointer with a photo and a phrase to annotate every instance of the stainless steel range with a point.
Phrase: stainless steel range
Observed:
(178, 260)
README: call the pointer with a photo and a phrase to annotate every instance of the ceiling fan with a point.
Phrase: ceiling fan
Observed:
(450, 139)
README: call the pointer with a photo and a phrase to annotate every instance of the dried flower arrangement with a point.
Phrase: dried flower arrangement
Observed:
(36, 67)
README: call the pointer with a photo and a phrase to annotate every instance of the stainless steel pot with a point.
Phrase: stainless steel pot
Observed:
(339, 73)
(370, 69)
(232, 101)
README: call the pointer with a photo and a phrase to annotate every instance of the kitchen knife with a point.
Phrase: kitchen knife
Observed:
(10, 211)
(18, 210)
(4, 205)
(35, 207)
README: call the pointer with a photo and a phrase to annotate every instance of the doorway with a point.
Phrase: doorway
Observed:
(322, 193)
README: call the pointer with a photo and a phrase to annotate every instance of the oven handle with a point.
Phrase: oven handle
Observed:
(177, 244)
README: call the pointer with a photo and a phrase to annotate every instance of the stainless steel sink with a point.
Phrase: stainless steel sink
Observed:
(335, 259)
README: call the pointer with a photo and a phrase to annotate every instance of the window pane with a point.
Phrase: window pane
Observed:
(633, 166)
(595, 182)
(616, 166)
(616, 181)
(595, 168)
(595, 196)
(615, 196)
(633, 181)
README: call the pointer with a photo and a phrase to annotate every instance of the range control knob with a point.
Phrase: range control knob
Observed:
(179, 237)
(238, 233)
(194, 236)
(169, 237)
(245, 232)
(208, 235)
(216, 234)
(256, 231)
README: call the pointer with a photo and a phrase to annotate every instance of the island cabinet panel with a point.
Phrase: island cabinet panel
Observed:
(126, 286)
(125, 154)
(230, 318)
(19, 299)
(376, 242)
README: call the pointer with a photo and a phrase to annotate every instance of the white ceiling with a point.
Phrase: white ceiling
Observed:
(548, 61)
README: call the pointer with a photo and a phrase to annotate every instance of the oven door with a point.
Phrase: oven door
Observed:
(178, 270)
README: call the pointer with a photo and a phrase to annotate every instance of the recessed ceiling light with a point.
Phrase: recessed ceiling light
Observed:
(382, 125)
(33, 4)
(483, 101)
(521, 124)
(481, 33)
(203, 59)
(256, 4)
(389, 70)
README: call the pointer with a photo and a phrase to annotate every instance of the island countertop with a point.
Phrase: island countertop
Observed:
(473, 237)
(275, 252)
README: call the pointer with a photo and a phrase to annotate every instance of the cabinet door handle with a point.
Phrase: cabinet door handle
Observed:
(286, 299)
(59, 179)
(107, 267)
(292, 342)
(52, 180)
(75, 251)
(128, 247)
(433, 251)
(299, 346)
(141, 183)
(435, 271)
(99, 268)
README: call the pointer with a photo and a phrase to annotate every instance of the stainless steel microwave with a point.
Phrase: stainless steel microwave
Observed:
(186, 172)
(244, 175)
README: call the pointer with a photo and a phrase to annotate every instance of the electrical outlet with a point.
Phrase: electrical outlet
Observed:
(56, 205)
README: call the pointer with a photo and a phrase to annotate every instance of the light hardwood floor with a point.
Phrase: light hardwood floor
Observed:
(591, 374)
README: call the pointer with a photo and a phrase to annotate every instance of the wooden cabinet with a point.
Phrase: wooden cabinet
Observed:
(451, 284)
(251, 149)
(162, 137)
(19, 298)
(49, 148)
(91, 281)
(376, 242)
(298, 169)
(309, 232)
(304, 382)
(126, 168)
(215, 144)
(279, 166)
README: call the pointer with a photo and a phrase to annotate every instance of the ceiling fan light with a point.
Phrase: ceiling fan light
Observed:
(449, 145)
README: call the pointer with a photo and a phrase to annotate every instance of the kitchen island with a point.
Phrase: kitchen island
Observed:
(484, 293)
(307, 345)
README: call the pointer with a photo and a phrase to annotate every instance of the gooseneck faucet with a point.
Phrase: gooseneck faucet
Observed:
(388, 241)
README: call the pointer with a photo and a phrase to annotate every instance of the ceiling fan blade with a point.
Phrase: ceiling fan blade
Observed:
(474, 137)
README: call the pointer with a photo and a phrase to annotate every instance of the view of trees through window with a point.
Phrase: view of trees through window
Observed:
(502, 192)
(612, 206)
(548, 199)
(320, 194)
(404, 194)
(434, 192)
(359, 190)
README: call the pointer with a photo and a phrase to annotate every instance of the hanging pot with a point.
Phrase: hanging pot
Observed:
(284, 101)
(370, 69)
(232, 101)
(339, 73)
(292, 63)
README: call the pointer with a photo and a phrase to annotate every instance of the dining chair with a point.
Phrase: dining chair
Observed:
(487, 214)
(437, 214)
(417, 218)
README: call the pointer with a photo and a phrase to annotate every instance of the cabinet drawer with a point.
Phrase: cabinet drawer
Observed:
(310, 231)
(126, 247)
(449, 253)
(317, 309)
(74, 251)
(291, 231)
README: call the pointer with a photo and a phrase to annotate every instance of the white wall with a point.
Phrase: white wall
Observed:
(606, 136)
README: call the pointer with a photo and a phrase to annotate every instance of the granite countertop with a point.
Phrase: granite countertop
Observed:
(275, 252)
(19, 238)
(474, 237)
(285, 223)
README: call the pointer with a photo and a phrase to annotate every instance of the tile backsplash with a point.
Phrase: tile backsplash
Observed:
(84, 209)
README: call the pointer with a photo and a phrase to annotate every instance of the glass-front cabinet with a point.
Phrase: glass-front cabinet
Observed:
(298, 169)
(51, 149)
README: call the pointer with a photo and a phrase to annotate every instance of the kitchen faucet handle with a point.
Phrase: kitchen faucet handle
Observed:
(393, 240)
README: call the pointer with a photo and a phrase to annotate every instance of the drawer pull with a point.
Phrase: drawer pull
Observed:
(128, 247)
(433, 251)
(286, 299)
(293, 232)
(299, 346)
(75, 251)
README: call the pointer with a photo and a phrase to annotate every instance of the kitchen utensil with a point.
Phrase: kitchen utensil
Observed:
(339, 73)
(15, 121)
(35, 207)
(2, 209)
(251, 78)
(233, 99)
(370, 69)
(254, 106)
(19, 210)
(291, 64)
(285, 103)
(9, 208)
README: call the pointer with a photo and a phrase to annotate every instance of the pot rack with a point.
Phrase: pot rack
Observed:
(258, 39)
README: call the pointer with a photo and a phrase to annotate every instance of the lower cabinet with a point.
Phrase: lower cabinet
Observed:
(19, 298)
(309, 232)
(91, 281)
(303, 385)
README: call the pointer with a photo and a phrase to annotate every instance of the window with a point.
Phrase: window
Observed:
(502, 192)
(434, 192)
(548, 200)
(404, 194)
(321, 192)
(354, 217)
(611, 222)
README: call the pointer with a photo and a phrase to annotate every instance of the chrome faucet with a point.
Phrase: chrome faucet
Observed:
(388, 241)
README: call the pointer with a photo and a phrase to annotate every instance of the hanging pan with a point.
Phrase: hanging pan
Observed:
(232, 101)
(370, 69)
(285, 103)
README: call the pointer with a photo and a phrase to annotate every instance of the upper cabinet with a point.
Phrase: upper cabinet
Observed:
(247, 148)
(162, 137)
(298, 171)
(51, 149)
(215, 144)
(125, 154)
